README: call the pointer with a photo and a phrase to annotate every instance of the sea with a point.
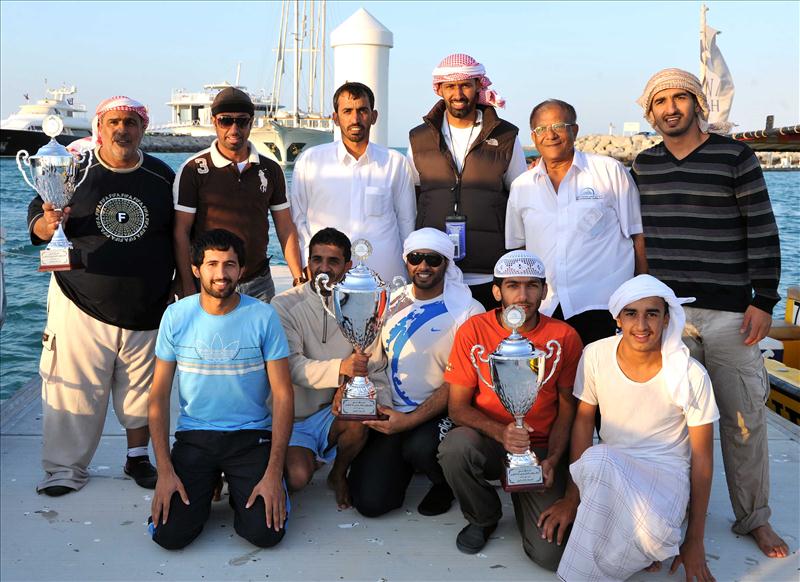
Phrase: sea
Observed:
(26, 288)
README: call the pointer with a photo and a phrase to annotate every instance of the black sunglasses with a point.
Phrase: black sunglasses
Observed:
(241, 122)
(433, 259)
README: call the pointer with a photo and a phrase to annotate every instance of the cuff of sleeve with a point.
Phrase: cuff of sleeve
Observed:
(766, 304)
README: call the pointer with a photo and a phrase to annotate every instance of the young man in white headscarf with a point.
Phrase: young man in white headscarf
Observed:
(656, 452)
(417, 339)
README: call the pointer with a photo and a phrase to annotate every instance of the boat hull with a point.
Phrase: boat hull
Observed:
(13, 140)
(285, 144)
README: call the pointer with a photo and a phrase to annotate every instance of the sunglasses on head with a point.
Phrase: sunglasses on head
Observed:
(433, 259)
(226, 121)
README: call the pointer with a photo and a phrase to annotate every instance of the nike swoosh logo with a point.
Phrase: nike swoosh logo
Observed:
(435, 329)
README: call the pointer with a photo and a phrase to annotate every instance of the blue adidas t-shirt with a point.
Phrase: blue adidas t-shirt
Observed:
(223, 383)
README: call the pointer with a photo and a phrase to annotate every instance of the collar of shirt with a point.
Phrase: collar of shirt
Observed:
(578, 162)
(221, 161)
(346, 158)
(446, 127)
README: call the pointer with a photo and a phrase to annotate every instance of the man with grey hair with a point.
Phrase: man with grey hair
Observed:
(580, 213)
(474, 451)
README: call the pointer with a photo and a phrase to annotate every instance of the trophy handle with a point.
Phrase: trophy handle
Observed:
(475, 354)
(86, 156)
(22, 158)
(321, 282)
(549, 346)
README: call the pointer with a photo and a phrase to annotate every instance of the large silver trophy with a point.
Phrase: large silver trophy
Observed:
(517, 373)
(360, 304)
(54, 176)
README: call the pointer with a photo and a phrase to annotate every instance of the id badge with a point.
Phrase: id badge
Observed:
(456, 228)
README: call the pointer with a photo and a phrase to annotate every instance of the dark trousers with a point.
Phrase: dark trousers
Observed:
(591, 325)
(470, 460)
(483, 294)
(380, 474)
(199, 457)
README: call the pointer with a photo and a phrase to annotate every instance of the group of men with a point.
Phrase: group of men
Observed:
(570, 240)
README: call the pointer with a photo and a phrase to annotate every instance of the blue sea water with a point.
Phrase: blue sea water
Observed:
(26, 288)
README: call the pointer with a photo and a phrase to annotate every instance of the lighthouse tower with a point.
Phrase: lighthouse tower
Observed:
(361, 53)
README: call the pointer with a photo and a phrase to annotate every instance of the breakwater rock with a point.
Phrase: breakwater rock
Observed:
(175, 143)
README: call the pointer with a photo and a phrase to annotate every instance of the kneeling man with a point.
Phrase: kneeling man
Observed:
(656, 453)
(231, 354)
(473, 453)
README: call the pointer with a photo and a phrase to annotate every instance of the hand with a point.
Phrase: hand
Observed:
(168, 483)
(397, 421)
(270, 489)
(693, 557)
(336, 404)
(558, 516)
(516, 440)
(52, 218)
(548, 472)
(354, 365)
(758, 322)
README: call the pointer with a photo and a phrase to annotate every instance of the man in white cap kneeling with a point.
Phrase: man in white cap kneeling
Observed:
(656, 454)
(417, 339)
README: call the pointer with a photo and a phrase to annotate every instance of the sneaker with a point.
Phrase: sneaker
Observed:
(437, 501)
(140, 469)
(57, 490)
(473, 538)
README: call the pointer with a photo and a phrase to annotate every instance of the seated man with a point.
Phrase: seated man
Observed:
(474, 453)
(417, 338)
(231, 354)
(656, 453)
(320, 361)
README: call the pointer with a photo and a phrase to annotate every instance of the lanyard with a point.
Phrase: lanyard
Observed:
(457, 188)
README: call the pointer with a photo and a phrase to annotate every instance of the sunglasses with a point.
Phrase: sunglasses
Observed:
(433, 259)
(241, 122)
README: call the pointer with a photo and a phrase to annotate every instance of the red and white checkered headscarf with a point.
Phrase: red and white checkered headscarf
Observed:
(117, 103)
(459, 67)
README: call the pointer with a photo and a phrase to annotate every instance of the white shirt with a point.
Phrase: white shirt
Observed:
(582, 233)
(459, 140)
(417, 340)
(371, 197)
(640, 418)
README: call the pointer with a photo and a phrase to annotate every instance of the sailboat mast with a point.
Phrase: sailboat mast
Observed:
(323, 12)
(296, 92)
(312, 56)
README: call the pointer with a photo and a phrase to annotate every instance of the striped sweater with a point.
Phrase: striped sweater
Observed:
(708, 225)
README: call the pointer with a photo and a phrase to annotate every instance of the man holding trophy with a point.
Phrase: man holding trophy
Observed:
(523, 377)
(103, 319)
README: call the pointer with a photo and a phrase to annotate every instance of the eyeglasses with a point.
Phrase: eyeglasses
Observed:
(433, 259)
(241, 122)
(559, 127)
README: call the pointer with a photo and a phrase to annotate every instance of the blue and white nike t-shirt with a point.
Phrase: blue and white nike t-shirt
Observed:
(417, 340)
(223, 383)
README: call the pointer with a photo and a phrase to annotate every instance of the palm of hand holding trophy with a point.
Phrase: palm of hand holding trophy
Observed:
(517, 374)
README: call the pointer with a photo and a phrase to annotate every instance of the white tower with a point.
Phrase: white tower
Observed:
(361, 53)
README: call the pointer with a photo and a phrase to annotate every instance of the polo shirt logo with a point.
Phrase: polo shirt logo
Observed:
(202, 166)
(264, 181)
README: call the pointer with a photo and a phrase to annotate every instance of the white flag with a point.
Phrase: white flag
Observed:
(715, 78)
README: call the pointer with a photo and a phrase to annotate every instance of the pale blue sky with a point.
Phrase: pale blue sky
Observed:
(596, 55)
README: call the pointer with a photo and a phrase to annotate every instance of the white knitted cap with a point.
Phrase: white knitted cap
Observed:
(519, 264)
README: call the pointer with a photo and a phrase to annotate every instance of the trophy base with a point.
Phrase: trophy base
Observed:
(63, 259)
(522, 478)
(360, 409)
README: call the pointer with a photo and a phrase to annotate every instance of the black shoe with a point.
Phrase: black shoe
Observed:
(472, 538)
(142, 471)
(437, 501)
(57, 490)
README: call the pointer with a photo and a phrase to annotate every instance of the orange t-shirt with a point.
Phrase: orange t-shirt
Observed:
(484, 329)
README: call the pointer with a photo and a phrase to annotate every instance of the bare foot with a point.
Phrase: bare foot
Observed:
(654, 567)
(769, 542)
(338, 483)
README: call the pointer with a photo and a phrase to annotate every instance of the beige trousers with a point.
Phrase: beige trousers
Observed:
(83, 361)
(741, 387)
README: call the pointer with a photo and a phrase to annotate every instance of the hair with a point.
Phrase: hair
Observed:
(498, 281)
(356, 90)
(218, 240)
(572, 116)
(333, 237)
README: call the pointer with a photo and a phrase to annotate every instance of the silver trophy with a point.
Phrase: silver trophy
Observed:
(517, 371)
(54, 174)
(360, 307)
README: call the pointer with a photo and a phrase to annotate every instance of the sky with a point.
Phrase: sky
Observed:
(597, 56)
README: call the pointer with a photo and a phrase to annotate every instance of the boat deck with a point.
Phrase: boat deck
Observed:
(99, 533)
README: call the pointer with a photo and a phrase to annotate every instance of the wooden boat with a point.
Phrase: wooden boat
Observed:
(784, 372)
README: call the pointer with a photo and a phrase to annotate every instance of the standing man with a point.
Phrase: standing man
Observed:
(363, 188)
(580, 213)
(320, 361)
(473, 453)
(231, 354)
(657, 445)
(711, 234)
(102, 321)
(417, 338)
(233, 187)
(464, 159)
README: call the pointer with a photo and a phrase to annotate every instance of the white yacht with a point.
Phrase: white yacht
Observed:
(23, 130)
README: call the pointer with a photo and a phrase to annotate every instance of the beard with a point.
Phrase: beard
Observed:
(223, 293)
(434, 280)
(466, 111)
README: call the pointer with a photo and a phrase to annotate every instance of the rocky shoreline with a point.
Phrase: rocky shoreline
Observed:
(170, 143)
